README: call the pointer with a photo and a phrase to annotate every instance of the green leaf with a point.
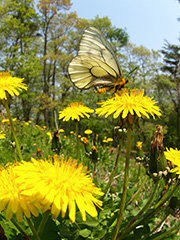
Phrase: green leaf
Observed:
(85, 232)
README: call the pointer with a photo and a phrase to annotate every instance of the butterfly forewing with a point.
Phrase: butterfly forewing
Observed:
(93, 43)
(96, 64)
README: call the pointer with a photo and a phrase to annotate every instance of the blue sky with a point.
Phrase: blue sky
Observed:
(147, 22)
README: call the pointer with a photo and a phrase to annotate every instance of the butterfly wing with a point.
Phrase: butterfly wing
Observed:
(96, 64)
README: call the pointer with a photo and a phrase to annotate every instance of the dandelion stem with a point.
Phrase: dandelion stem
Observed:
(77, 139)
(18, 226)
(114, 169)
(43, 223)
(35, 234)
(13, 131)
(126, 177)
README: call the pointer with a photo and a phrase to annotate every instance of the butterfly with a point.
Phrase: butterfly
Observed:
(96, 65)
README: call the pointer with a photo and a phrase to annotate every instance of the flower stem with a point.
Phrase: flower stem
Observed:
(77, 139)
(18, 226)
(114, 169)
(43, 223)
(35, 234)
(126, 177)
(12, 129)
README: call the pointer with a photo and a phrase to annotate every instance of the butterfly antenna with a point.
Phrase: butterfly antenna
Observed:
(132, 71)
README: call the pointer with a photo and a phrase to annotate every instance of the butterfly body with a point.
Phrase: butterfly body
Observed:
(96, 65)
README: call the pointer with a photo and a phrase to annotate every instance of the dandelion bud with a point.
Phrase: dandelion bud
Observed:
(157, 163)
(94, 155)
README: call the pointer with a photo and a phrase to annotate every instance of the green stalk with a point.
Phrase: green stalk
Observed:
(35, 234)
(114, 169)
(12, 129)
(126, 177)
(125, 230)
(148, 215)
(77, 139)
(18, 226)
(43, 223)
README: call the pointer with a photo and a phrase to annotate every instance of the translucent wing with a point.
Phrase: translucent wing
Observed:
(96, 64)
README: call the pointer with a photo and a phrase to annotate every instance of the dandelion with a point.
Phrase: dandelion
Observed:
(139, 145)
(88, 131)
(127, 104)
(50, 135)
(10, 85)
(173, 155)
(61, 130)
(4, 120)
(109, 139)
(75, 111)
(59, 185)
(12, 201)
(85, 140)
(2, 135)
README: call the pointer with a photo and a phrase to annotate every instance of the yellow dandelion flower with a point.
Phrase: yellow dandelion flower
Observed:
(2, 135)
(58, 185)
(105, 141)
(173, 155)
(4, 120)
(88, 131)
(85, 140)
(109, 139)
(50, 135)
(133, 103)
(139, 145)
(10, 85)
(75, 111)
(71, 132)
(61, 130)
(12, 201)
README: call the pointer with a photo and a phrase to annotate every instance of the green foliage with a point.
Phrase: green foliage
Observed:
(37, 45)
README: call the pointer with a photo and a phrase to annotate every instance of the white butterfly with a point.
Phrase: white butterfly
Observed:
(96, 64)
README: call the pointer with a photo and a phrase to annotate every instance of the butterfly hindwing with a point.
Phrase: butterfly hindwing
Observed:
(88, 71)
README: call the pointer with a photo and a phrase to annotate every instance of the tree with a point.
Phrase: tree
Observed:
(19, 24)
(172, 66)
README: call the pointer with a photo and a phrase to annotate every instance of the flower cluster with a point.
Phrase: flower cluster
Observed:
(51, 184)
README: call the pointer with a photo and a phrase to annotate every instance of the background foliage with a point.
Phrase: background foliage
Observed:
(39, 38)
